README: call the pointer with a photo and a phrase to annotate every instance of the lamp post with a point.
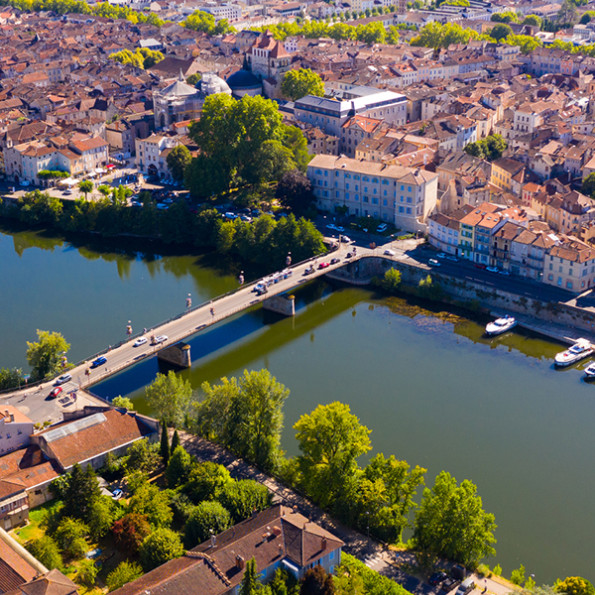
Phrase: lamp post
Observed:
(241, 278)
(129, 328)
(288, 260)
(189, 301)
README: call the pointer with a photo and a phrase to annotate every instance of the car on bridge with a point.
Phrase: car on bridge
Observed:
(63, 379)
(389, 252)
(140, 341)
(323, 265)
(98, 362)
(160, 339)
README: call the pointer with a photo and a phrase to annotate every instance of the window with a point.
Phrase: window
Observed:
(400, 209)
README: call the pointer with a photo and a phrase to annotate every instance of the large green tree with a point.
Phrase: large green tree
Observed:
(299, 83)
(178, 467)
(206, 481)
(169, 395)
(451, 522)
(46, 550)
(240, 142)
(124, 573)
(501, 31)
(575, 585)
(246, 415)
(178, 160)
(81, 491)
(45, 355)
(242, 498)
(149, 501)
(330, 439)
(317, 581)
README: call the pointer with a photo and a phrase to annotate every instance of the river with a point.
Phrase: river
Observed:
(432, 390)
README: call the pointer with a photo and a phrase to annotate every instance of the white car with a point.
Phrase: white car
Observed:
(140, 341)
(160, 339)
(389, 252)
(63, 379)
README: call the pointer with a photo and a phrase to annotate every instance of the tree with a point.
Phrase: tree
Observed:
(148, 500)
(501, 31)
(45, 355)
(142, 456)
(331, 439)
(178, 468)
(386, 491)
(193, 79)
(533, 20)
(11, 378)
(587, 17)
(81, 492)
(159, 547)
(85, 187)
(451, 522)
(317, 581)
(178, 160)
(250, 584)
(123, 403)
(246, 415)
(175, 441)
(506, 16)
(164, 446)
(125, 572)
(206, 519)
(588, 186)
(575, 585)
(567, 15)
(391, 280)
(294, 191)
(87, 573)
(71, 537)
(100, 517)
(299, 83)
(130, 532)
(170, 395)
(242, 498)
(46, 550)
(489, 148)
(206, 481)
(517, 577)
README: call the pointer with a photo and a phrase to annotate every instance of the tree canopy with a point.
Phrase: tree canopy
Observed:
(241, 143)
(489, 148)
(330, 439)
(452, 523)
(501, 31)
(575, 585)
(159, 547)
(169, 395)
(45, 356)
(246, 415)
(299, 83)
(178, 160)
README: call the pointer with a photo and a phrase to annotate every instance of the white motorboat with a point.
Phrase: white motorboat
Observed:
(500, 325)
(580, 350)
(590, 371)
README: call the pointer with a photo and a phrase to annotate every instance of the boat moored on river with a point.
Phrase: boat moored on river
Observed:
(580, 350)
(500, 325)
(590, 372)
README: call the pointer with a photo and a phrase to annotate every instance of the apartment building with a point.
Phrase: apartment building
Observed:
(393, 193)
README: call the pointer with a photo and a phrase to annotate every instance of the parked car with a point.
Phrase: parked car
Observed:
(448, 584)
(437, 578)
(389, 252)
(99, 362)
(466, 586)
(458, 571)
(346, 239)
(55, 392)
(504, 272)
(140, 341)
(332, 226)
(382, 228)
(160, 339)
(246, 218)
(433, 262)
(441, 255)
(117, 494)
(63, 379)
(451, 257)
(340, 229)
(478, 265)
(492, 269)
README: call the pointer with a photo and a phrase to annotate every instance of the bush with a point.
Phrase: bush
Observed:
(159, 547)
(130, 532)
(87, 573)
(243, 497)
(208, 518)
(206, 481)
(71, 536)
(124, 573)
(46, 550)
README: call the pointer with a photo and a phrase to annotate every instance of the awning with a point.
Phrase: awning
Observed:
(68, 182)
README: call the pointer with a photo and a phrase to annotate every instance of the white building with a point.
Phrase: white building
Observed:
(151, 154)
(400, 195)
(330, 114)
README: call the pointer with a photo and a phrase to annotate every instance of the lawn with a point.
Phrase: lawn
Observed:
(34, 529)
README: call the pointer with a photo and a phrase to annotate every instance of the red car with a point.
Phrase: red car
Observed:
(55, 392)
(323, 265)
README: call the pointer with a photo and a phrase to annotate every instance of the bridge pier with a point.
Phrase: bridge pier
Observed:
(176, 355)
(281, 304)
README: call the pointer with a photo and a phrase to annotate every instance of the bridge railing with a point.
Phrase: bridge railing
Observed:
(151, 330)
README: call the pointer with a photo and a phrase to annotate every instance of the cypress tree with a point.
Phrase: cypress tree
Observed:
(175, 441)
(164, 450)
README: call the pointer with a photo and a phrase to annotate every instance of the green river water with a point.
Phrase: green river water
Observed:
(432, 390)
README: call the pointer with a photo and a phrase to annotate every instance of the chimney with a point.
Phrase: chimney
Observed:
(240, 562)
(213, 540)
(323, 544)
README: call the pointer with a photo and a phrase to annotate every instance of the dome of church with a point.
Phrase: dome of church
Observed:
(210, 84)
